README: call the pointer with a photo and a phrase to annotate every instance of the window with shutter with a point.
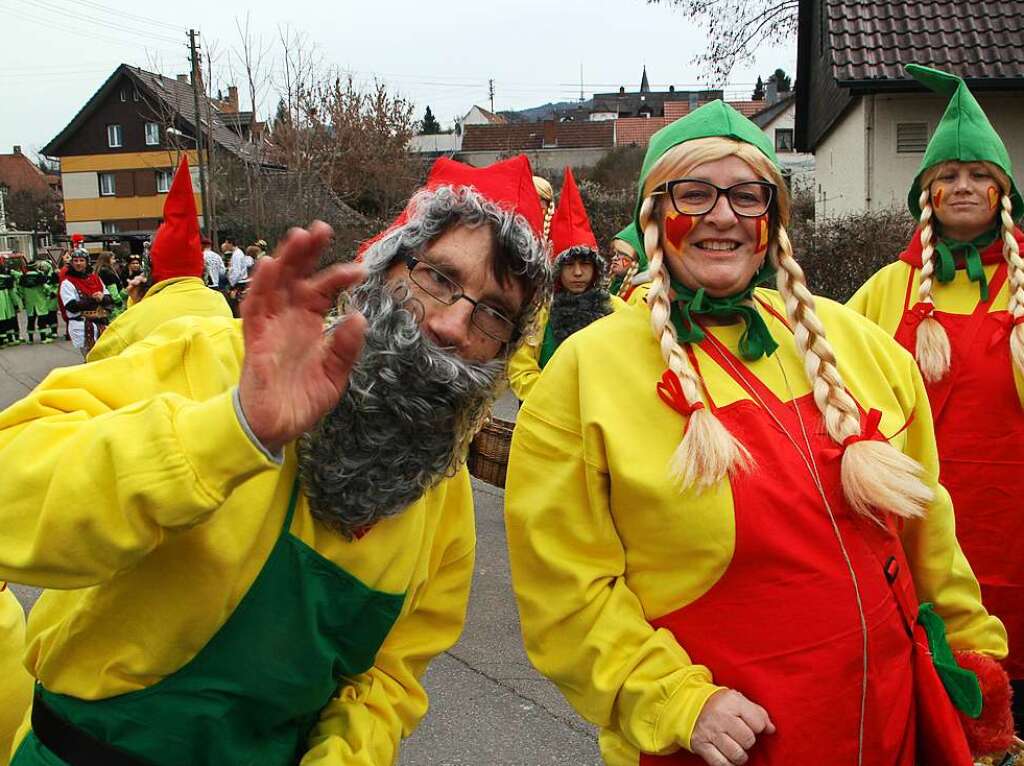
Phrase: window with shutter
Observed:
(124, 183)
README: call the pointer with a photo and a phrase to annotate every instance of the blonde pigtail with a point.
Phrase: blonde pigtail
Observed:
(875, 475)
(707, 452)
(627, 278)
(1015, 269)
(549, 213)
(932, 349)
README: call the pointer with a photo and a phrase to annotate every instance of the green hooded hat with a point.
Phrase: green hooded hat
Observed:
(631, 237)
(963, 134)
(714, 119)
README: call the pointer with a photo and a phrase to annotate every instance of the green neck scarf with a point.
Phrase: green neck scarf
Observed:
(756, 340)
(949, 249)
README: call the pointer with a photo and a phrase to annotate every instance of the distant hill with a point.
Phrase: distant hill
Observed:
(545, 112)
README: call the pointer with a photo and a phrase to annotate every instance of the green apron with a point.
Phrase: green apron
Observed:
(252, 694)
(7, 305)
(35, 293)
(547, 346)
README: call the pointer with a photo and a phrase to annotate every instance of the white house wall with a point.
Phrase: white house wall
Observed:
(859, 169)
(839, 166)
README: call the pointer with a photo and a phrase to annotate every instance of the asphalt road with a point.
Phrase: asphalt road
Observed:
(488, 706)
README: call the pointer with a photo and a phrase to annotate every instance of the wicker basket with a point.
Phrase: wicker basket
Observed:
(488, 454)
(1012, 757)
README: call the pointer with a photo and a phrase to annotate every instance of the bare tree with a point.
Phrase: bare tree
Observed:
(735, 29)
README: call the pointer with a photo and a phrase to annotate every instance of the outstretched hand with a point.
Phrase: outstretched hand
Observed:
(294, 372)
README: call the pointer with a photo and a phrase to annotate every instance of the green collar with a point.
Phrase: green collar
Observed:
(948, 250)
(756, 340)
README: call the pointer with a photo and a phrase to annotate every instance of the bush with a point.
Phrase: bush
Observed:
(609, 210)
(839, 254)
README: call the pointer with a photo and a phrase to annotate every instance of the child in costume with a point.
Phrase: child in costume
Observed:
(734, 568)
(955, 300)
(578, 293)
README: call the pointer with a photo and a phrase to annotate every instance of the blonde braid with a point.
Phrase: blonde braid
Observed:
(627, 278)
(875, 475)
(549, 213)
(707, 452)
(1011, 251)
(932, 349)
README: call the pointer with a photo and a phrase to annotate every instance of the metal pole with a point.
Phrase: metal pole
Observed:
(198, 125)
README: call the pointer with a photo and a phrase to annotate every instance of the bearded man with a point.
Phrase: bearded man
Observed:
(273, 534)
(579, 296)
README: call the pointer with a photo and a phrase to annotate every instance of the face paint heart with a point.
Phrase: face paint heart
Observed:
(993, 198)
(677, 226)
(937, 198)
(762, 234)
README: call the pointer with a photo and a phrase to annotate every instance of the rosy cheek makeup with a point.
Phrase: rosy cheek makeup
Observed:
(677, 226)
(993, 198)
(762, 234)
(937, 198)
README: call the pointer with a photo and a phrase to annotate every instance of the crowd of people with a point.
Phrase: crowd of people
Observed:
(745, 524)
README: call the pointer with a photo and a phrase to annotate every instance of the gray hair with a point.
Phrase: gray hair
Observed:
(524, 256)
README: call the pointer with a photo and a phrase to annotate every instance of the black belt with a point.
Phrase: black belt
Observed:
(71, 744)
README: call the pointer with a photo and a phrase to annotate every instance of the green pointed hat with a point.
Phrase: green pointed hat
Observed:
(963, 134)
(631, 237)
(714, 119)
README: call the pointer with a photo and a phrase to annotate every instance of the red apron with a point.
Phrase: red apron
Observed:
(782, 626)
(979, 428)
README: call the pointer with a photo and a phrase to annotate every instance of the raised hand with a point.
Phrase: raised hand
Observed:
(293, 372)
(727, 728)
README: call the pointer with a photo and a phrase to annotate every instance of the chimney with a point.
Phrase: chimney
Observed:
(233, 98)
(550, 134)
(693, 100)
(183, 78)
(671, 88)
(17, 149)
(622, 90)
(771, 92)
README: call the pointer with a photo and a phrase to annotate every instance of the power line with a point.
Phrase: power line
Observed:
(119, 12)
(46, 6)
(49, 24)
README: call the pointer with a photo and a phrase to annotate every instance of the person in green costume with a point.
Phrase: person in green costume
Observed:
(10, 302)
(955, 300)
(625, 261)
(717, 554)
(37, 290)
(108, 275)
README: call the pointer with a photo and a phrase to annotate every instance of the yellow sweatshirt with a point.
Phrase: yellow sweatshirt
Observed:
(588, 492)
(147, 512)
(881, 298)
(167, 300)
(524, 364)
(15, 682)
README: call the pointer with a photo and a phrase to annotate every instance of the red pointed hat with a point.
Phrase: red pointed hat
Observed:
(508, 184)
(176, 250)
(570, 226)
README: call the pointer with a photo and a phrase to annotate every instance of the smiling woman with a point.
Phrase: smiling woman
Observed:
(717, 554)
(955, 299)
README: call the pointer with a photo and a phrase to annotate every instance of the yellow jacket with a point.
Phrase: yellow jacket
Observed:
(588, 492)
(15, 682)
(524, 364)
(167, 300)
(141, 472)
(881, 298)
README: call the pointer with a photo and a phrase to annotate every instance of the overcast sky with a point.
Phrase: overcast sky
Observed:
(56, 53)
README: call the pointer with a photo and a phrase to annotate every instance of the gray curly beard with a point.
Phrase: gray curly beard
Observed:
(570, 313)
(404, 423)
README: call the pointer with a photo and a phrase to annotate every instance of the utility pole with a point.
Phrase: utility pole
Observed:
(194, 55)
(581, 82)
(490, 88)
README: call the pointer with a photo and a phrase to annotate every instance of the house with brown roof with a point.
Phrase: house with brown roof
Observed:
(865, 120)
(20, 174)
(119, 152)
(550, 145)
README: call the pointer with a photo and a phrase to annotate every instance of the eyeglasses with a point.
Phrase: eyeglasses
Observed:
(439, 286)
(690, 196)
